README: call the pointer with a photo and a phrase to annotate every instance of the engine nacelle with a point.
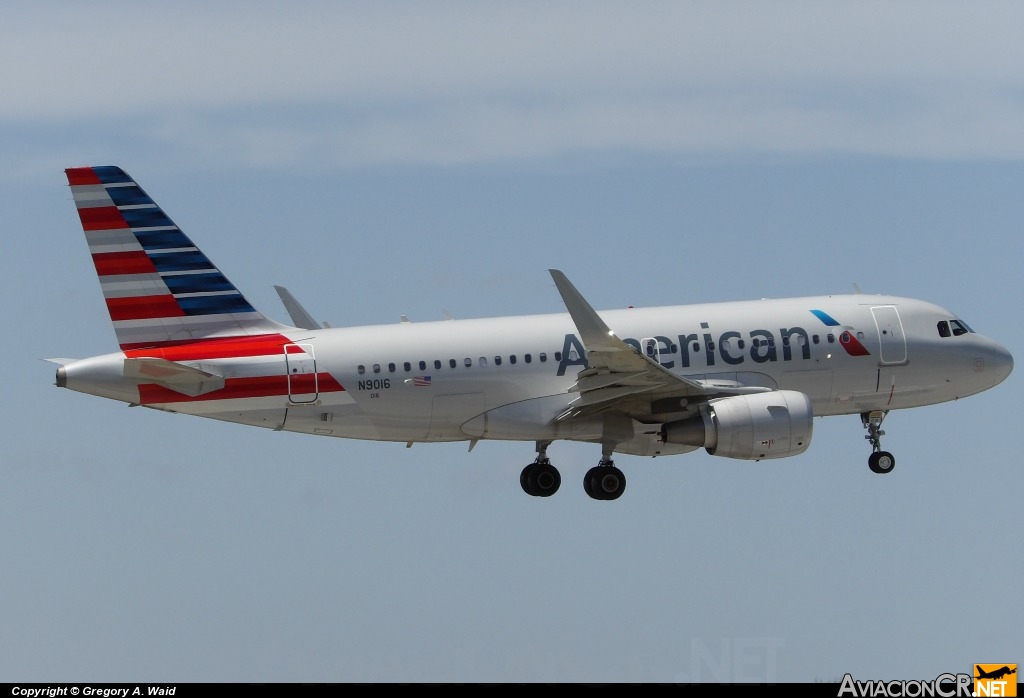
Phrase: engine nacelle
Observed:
(762, 425)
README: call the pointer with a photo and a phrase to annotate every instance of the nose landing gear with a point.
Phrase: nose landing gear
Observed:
(879, 461)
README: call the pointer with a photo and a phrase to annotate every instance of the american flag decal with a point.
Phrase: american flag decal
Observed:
(421, 381)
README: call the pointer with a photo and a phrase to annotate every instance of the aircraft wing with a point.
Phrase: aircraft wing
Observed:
(620, 377)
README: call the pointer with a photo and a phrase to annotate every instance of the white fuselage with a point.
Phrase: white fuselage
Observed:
(508, 378)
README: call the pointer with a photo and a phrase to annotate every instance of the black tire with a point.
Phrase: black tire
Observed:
(543, 480)
(524, 479)
(881, 462)
(611, 484)
(591, 484)
(604, 482)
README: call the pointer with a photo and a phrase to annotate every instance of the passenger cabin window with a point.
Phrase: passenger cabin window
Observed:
(407, 366)
(376, 368)
(437, 363)
(527, 358)
(452, 363)
(391, 368)
(512, 359)
(361, 369)
(543, 357)
(468, 361)
(497, 361)
(423, 365)
(483, 361)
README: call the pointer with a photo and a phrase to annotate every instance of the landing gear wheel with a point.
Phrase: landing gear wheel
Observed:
(881, 462)
(543, 480)
(604, 482)
(540, 479)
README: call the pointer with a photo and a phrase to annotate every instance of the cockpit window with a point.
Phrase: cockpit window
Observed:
(959, 327)
(953, 328)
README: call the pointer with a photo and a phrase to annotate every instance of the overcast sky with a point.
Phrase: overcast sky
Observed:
(393, 158)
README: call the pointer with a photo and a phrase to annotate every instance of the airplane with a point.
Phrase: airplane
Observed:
(997, 674)
(740, 379)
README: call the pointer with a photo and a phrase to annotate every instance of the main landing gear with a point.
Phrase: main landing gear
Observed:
(880, 461)
(540, 478)
(602, 482)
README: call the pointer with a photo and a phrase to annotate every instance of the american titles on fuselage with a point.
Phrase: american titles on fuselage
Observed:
(731, 347)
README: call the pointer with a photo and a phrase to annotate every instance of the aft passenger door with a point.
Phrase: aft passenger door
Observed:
(300, 366)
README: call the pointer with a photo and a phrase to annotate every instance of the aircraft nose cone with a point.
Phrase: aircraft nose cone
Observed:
(1001, 364)
(994, 363)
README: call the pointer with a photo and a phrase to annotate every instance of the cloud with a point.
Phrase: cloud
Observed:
(443, 83)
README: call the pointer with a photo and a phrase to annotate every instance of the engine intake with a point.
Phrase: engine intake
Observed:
(750, 427)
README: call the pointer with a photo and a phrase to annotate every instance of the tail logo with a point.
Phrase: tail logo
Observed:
(159, 288)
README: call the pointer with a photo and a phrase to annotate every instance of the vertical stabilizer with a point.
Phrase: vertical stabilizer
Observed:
(159, 288)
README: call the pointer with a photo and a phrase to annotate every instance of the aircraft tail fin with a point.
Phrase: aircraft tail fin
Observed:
(159, 288)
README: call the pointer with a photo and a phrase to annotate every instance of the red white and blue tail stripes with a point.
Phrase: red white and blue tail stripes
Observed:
(159, 288)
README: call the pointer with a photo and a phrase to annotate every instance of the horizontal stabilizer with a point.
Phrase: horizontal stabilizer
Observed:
(173, 376)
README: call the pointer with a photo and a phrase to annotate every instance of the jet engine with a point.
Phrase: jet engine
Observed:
(751, 427)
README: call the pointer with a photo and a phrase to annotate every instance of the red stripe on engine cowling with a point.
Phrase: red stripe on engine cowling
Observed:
(81, 175)
(101, 218)
(143, 307)
(236, 388)
(114, 263)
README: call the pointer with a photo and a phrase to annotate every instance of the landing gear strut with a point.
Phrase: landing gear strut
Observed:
(540, 478)
(880, 461)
